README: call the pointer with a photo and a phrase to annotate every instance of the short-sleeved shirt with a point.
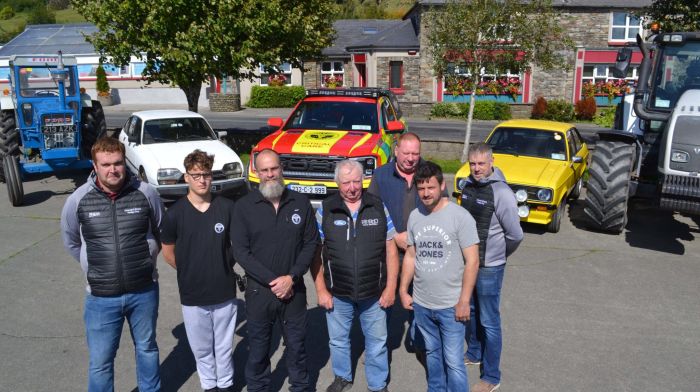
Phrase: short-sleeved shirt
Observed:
(439, 238)
(202, 251)
(390, 230)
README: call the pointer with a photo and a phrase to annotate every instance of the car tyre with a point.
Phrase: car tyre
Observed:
(576, 192)
(555, 224)
(13, 178)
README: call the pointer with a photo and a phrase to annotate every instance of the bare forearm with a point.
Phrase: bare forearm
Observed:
(169, 255)
(392, 264)
(471, 269)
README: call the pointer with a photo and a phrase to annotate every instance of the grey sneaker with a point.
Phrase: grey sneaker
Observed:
(339, 385)
(468, 361)
(483, 386)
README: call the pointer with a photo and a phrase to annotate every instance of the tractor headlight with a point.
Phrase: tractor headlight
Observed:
(232, 170)
(521, 195)
(523, 211)
(679, 156)
(461, 183)
(544, 194)
(169, 176)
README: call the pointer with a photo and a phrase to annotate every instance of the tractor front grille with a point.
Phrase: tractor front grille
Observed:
(59, 131)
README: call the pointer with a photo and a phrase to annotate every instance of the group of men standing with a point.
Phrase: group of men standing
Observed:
(403, 236)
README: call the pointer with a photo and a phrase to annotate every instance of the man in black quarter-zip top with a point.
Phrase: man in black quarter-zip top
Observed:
(356, 275)
(274, 239)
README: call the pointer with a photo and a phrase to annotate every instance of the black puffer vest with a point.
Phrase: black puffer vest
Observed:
(478, 200)
(119, 260)
(354, 253)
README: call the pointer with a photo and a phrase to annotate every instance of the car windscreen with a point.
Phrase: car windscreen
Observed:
(528, 142)
(168, 130)
(346, 116)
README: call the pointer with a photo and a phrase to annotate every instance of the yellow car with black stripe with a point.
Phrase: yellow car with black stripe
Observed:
(543, 162)
(330, 125)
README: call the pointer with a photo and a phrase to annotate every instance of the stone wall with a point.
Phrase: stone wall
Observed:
(224, 102)
(312, 73)
(411, 76)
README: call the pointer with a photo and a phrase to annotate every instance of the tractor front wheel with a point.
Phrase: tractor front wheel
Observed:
(94, 127)
(13, 178)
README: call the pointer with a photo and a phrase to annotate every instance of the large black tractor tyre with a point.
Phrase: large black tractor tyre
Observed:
(13, 178)
(608, 185)
(9, 138)
(94, 127)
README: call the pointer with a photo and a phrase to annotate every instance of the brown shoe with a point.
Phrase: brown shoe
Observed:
(483, 386)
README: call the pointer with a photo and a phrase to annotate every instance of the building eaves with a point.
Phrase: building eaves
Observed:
(350, 31)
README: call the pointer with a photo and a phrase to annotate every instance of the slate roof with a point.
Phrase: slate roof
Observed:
(49, 39)
(371, 33)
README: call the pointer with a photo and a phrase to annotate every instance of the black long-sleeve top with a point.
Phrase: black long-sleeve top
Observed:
(269, 243)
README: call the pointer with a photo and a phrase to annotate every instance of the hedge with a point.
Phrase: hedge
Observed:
(483, 110)
(275, 96)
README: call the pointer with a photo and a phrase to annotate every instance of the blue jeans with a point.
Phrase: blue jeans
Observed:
(444, 346)
(373, 322)
(104, 318)
(484, 339)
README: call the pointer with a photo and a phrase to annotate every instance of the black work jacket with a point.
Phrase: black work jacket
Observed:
(354, 252)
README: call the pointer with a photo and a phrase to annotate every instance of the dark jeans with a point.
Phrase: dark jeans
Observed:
(263, 311)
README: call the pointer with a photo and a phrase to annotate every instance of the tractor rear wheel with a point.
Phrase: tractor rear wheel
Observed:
(94, 126)
(13, 177)
(608, 185)
(9, 138)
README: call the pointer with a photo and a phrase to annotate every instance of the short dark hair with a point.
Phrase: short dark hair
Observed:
(106, 144)
(426, 170)
(199, 158)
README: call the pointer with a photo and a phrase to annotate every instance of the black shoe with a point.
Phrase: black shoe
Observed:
(339, 385)
(215, 389)
(381, 390)
(227, 389)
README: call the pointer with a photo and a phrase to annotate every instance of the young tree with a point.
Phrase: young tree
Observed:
(674, 15)
(186, 41)
(468, 36)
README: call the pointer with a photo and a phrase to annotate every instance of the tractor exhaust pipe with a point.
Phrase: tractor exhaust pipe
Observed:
(643, 85)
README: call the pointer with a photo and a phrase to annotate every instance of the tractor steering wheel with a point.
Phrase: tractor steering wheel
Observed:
(52, 93)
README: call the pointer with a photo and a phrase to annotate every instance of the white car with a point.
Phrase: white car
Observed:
(157, 142)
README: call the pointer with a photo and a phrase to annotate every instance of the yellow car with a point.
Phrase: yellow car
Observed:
(543, 162)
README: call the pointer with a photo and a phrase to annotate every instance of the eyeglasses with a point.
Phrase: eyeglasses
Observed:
(199, 176)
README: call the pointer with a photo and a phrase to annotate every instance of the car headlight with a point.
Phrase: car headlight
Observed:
(544, 194)
(169, 176)
(523, 211)
(232, 170)
(368, 163)
(521, 195)
(461, 183)
(679, 156)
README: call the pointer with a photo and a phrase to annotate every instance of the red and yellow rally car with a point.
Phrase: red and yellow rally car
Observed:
(330, 125)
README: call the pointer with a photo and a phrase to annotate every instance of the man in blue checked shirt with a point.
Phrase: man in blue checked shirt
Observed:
(356, 273)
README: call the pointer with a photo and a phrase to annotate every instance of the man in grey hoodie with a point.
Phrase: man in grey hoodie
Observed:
(492, 204)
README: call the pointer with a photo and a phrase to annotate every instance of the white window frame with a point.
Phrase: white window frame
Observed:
(483, 76)
(284, 69)
(607, 75)
(333, 71)
(627, 26)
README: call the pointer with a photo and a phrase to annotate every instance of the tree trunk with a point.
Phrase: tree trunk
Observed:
(192, 92)
(468, 134)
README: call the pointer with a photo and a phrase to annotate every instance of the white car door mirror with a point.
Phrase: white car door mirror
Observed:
(221, 134)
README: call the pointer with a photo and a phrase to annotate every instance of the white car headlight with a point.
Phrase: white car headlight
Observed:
(232, 170)
(680, 156)
(544, 194)
(521, 195)
(523, 211)
(461, 183)
(169, 176)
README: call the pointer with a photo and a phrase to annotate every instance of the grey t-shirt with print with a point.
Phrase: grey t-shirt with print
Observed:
(439, 239)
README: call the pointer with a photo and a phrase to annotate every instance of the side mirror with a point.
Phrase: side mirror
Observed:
(133, 138)
(275, 122)
(221, 134)
(577, 159)
(394, 127)
(622, 62)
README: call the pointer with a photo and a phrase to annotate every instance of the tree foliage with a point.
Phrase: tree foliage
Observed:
(466, 36)
(674, 15)
(186, 41)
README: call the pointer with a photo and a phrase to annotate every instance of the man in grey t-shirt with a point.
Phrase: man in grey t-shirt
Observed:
(443, 258)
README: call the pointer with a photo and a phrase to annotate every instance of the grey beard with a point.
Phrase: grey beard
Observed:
(272, 190)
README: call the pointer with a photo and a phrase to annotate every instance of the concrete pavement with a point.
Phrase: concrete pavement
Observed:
(582, 311)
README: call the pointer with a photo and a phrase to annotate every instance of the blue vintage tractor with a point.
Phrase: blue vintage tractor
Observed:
(46, 123)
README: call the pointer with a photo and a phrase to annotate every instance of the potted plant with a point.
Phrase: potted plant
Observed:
(104, 94)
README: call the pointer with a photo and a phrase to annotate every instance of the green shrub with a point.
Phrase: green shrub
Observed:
(58, 4)
(606, 117)
(559, 110)
(445, 109)
(7, 12)
(275, 96)
(40, 14)
(101, 84)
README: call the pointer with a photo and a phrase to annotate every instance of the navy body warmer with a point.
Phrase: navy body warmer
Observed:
(479, 201)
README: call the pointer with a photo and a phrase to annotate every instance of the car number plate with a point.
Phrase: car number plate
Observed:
(309, 189)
